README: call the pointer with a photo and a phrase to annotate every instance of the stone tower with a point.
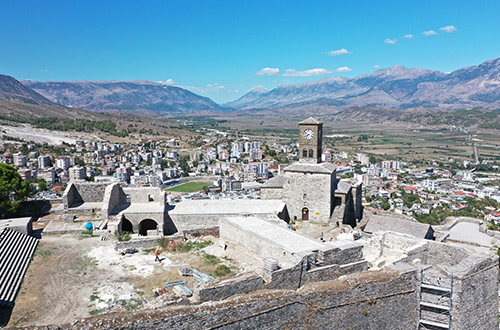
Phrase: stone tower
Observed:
(309, 185)
(310, 140)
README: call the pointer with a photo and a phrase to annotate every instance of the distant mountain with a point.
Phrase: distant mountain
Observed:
(12, 90)
(397, 87)
(248, 98)
(137, 96)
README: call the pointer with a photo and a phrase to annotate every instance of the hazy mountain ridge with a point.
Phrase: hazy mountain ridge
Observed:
(136, 95)
(397, 87)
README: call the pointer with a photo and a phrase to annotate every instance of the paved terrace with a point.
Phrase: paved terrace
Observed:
(230, 206)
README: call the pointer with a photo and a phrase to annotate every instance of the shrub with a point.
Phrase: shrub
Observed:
(222, 270)
(123, 236)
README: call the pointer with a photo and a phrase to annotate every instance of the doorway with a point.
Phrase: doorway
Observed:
(305, 214)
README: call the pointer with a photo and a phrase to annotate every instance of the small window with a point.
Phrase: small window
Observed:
(304, 197)
(311, 153)
(304, 153)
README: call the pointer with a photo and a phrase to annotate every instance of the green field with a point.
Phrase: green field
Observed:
(190, 186)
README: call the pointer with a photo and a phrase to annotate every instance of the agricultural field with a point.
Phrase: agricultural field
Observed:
(397, 140)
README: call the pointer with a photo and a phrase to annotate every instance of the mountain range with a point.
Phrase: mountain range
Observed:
(397, 87)
(137, 95)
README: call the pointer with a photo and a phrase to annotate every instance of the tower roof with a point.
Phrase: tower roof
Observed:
(310, 120)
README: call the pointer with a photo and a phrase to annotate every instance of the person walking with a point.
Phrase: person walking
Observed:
(157, 253)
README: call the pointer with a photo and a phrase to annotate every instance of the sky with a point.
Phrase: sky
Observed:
(223, 49)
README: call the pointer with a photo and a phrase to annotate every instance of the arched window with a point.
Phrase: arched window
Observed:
(311, 153)
(304, 153)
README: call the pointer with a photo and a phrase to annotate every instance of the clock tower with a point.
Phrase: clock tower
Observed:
(310, 140)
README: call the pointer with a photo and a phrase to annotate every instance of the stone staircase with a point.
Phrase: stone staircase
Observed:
(16, 250)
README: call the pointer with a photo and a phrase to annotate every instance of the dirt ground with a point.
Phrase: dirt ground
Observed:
(72, 277)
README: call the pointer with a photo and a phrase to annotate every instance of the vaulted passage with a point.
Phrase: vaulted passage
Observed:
(146, 225)
(127, 226)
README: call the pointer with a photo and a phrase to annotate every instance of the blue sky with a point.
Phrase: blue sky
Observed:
(222, 49)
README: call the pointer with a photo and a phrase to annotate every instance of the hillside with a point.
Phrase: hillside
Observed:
(397, 87)
(137, 96)
(12, 90)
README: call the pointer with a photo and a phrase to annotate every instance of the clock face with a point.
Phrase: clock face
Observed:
(308, 134)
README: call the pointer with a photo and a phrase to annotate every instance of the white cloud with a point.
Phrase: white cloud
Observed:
(449, 28)
(429, 33)
(167, 82)
(390, 41)
(210, 88)
(338, 52)
(409, 36)
(376, 66)
(216, 86)
(306, 73)
(268, 72)
(343, 69)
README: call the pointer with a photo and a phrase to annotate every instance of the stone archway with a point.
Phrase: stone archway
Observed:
(147, 224)
(126, 225)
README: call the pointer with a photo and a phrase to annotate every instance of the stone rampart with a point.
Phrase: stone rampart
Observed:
(368, 300)
(113, 196)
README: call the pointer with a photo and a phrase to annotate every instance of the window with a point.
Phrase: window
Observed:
(311, 153)
(304, 153)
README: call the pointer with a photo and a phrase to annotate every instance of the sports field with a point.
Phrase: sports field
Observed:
(190, 186)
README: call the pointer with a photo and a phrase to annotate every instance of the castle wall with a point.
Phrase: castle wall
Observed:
(142, 195)
(193, 222)
(475, 300)
(368, 300)
(113, 196)
(70, 195)
(271, 193)
(91, 192)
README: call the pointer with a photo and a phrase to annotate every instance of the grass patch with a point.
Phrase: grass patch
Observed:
(98, 311)
(210, 259)
(222, 270)
(87, 234)
(131, 305)
(183, 246)
(190, 186)
(41, 251)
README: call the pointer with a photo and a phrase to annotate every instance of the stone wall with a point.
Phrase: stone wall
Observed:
(271, 193)
(70, 195)
(311, 190)
(136, 218)
(475, 300)
(91, 192)
(368, 300)
(193, 222)
(143, 243)
(258, 245)
(113, 196)
(143, 195)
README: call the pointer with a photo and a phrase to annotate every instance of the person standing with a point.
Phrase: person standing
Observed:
(157, 253)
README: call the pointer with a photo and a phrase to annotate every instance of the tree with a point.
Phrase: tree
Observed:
(42, 185)
(13, 190)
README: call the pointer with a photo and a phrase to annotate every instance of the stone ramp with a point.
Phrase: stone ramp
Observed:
(16, 250)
